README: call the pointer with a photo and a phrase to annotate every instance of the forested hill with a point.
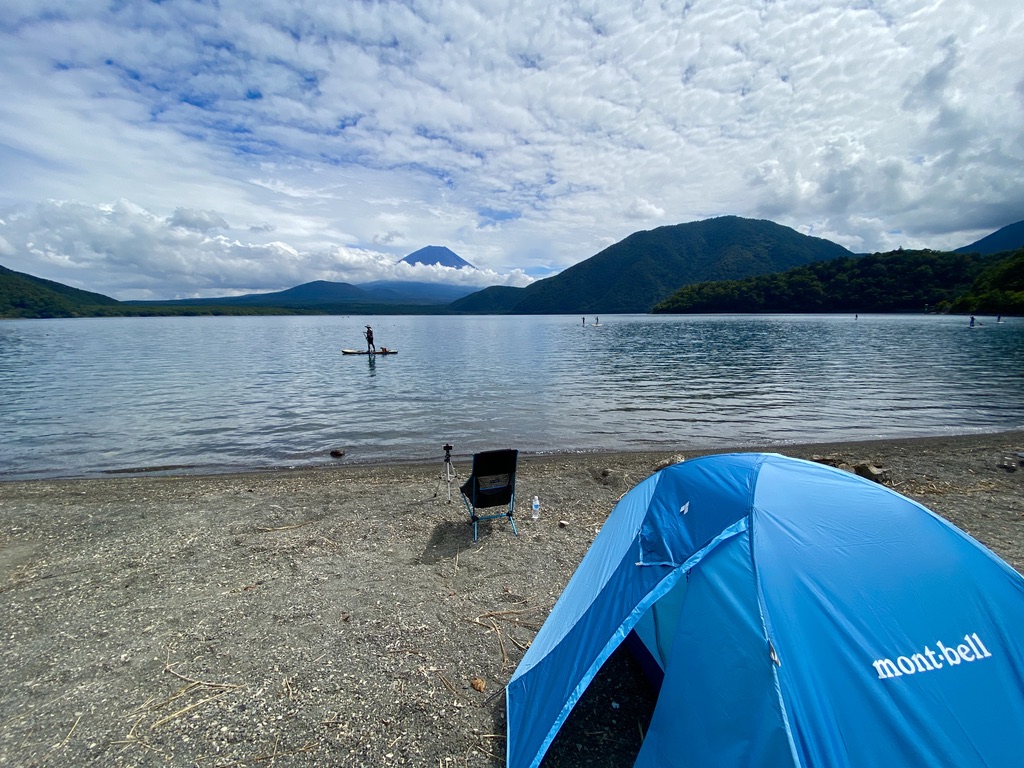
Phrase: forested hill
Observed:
(646, 267)
(900, 281)
(23, 295)
(1008, 238)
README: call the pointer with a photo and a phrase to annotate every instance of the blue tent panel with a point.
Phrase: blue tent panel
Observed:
(802, 616)
(719, 702)
(867, 611)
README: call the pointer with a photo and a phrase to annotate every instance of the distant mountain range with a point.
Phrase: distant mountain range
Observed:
(329, 297)
(632, 275)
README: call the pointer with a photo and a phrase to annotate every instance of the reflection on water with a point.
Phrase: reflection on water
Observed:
(91, 395)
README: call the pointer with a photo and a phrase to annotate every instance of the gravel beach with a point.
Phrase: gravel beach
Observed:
(342, 616)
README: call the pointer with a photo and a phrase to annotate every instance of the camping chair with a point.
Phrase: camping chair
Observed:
(492, 484)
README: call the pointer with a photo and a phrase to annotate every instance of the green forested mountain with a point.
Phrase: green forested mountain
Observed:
(998, 290)
(322, 297)
(316, 292)
(330, 296)
(900, 281)
(26, 296)
(495, 300)
(638, 272)
(1008, 238)
(23, 295)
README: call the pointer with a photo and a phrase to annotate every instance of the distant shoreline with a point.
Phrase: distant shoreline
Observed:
(329, 464)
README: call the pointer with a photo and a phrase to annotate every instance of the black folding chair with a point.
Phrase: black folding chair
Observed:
(492, 484)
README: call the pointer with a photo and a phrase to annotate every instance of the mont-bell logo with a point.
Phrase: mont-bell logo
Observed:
(943, 656)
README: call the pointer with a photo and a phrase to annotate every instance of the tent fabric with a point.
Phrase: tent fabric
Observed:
(802, 616)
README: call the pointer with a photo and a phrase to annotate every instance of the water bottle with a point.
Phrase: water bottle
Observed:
(536, 508)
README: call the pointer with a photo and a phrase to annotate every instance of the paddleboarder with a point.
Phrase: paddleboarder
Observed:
(368, 333)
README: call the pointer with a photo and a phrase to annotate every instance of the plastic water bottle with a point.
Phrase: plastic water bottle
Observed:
(536, 508)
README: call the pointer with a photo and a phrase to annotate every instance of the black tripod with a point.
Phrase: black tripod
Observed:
(449, 473)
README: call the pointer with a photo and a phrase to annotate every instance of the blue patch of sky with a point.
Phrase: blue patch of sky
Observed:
(256, 147)
(238, 139)
(427, 133)
(348, 121)
(229, 127)
(496, 215)
(539, 271)
(310, 83)
(222, 44)
(201, 101)
(133, 79)
(434, 172)
(45, 17)
(347, 158)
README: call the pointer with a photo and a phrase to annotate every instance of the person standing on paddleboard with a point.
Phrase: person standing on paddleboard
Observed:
(368, 333)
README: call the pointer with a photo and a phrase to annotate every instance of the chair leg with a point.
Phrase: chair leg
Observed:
(472, 517)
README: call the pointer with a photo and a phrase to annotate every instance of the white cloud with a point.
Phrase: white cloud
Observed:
(127, 252)
(644, 209)
(525, 136)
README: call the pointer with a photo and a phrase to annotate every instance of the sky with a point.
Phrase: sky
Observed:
(178, 148)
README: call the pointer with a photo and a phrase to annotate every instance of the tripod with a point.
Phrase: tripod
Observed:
(449, 473)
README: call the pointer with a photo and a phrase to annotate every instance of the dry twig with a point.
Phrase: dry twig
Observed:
(501, 643)
(187, 709)
(448, 684)
(68, 737)
(284, 527)
(203, 683)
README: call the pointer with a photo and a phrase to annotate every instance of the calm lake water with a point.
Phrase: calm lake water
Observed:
(84, 397)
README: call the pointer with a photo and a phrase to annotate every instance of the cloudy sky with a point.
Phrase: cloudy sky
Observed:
(198, 148)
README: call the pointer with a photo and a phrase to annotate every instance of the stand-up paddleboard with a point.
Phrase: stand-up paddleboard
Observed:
(364, 352)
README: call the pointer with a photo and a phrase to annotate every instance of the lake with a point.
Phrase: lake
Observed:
(85, 397)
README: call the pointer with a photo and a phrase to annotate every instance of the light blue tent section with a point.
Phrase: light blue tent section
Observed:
(802, 616)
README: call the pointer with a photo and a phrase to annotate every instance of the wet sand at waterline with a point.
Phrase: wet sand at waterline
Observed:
(342, 616)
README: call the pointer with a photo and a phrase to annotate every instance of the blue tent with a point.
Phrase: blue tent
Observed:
(802, 616)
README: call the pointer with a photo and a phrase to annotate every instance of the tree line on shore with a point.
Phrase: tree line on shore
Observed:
(898, 281)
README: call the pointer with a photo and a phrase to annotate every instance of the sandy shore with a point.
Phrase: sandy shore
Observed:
(341, 616)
